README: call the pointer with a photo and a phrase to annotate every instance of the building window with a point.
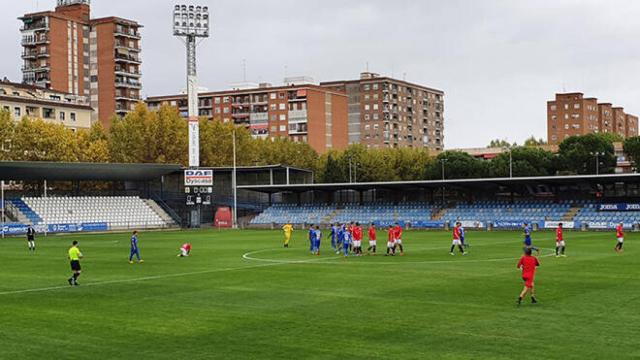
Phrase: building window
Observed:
(217, 100)
(72, 116)
(283, 117)
(367, 87)
(366, 116)
(376, 86)
(62, 115)
(576, 106)
(281, 95)
(566, 106)
(553, 108)
(375, 107)
(367, 107)
(17, 111)
(226, 100)
(218, 111)
(283, 127)
(274, 118)
(225, 110)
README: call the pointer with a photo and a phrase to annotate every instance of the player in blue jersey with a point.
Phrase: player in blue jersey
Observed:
(312, 237)
(346, 242)
(528, 243)
(334, 236)
(135, 250)
(340, 237)
(317, 237)
(462, 237)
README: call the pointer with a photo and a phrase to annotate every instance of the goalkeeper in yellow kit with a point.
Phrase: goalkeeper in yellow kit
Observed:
(288, 230)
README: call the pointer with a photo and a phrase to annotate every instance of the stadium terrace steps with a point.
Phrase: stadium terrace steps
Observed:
(160, 212)
(571, 214)
(439, 214)
(24, 213)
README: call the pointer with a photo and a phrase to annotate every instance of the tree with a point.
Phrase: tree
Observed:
(127, 140)
(36, 140)
(457, 165)
(526, 161)
(533, 142)
(93, 144)
(632, 149)
(500, 143)
(578, 154)
(7, 134)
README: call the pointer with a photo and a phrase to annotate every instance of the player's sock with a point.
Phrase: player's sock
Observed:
(374, 249)
(461, 248)
(533, 300)
(519, 300)
(557, 251)
(453, 247)
(563, 248)
(401, 248)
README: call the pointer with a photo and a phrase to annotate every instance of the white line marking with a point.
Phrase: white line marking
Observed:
(147, 278)
(249, 256)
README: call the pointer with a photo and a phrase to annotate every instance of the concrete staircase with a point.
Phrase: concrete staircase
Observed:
(13, 213)
(158, 210)
(571, 214)
(438, 215)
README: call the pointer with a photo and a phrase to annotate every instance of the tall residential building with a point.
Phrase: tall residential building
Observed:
(301, 112)
(386, 112)
(571, 114)
(66, 50)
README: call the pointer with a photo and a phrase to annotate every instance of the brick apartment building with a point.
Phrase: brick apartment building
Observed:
(386, 112)
(67, 51)
(572, 114)
(301, 112)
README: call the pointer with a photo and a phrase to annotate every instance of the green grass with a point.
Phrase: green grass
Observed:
(289, 305)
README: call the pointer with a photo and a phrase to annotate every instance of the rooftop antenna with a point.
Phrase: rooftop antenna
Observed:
(404, 76)
(367, 66)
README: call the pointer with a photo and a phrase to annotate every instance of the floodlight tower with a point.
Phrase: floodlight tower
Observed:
(192, 22)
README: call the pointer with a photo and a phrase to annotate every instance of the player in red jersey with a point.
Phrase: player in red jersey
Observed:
(528, 264)
(185, 250)
(373, 242)
(357, 239)
(620, 237)
(560, 244)
(391, 241)
(457, 233)
(398, 231)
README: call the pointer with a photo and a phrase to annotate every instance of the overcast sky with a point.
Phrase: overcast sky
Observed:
(497, 61)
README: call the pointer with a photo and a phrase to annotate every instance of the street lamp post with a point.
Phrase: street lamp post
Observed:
(443, 161)
(510, 150)
(597, 154)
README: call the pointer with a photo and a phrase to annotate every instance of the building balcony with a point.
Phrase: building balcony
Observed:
(31, 41)
(259, 118)
(39, 25)
(128, 97)
(36, 68)
(297, 116)
(126, 72)
(128, 84)
(128, 33)
(32, 55)
(240, 115)
(127, 47)
(127, 58)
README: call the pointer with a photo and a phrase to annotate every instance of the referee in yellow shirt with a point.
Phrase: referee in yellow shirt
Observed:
(288, 229)
(74, 257)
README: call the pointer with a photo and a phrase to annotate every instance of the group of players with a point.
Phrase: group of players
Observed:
(347, 239)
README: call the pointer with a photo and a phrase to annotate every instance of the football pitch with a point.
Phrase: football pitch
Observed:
(241, 296)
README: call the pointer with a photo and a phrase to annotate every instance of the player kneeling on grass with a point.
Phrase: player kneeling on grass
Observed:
(528, 263)
(391, 242)
(135, 250)
(74, 258)
(560, 244)
(185, 250)
(620, 237)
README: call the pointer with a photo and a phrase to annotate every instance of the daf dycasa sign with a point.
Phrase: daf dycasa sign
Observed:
(198, 177)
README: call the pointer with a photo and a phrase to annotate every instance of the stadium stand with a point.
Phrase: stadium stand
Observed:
(519, 211)
(305, 214)
(116, 211)
(589, 213)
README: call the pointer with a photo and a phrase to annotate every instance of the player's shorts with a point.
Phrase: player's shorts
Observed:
(184, 252)
(357, 243)
(620, 240)
(456, 242)
(528, 281)
(560, 243)
(373, 243)
(31, 238)
(75, 265)
(391, 244)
